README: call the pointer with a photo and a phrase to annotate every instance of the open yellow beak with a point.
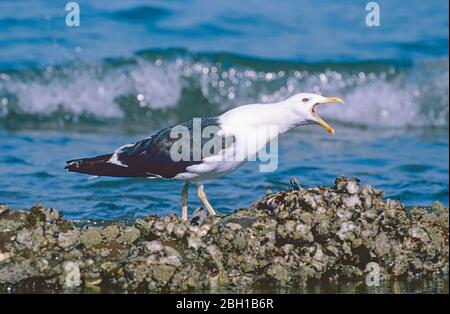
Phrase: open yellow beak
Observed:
(320, 121)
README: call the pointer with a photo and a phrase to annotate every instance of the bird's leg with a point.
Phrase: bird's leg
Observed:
(202, 196)
(184, 196)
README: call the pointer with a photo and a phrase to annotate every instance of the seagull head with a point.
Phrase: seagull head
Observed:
(305, 105)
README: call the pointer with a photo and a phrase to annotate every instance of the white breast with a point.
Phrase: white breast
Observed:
(213, 167)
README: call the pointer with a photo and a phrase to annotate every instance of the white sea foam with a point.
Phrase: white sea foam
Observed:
(391, 97)
(92, 91)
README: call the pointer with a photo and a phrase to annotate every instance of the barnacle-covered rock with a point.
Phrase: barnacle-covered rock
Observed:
(68, 239)
(91, 237)
(284, 240)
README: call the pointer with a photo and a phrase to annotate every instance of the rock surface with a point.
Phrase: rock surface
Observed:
(284, 240)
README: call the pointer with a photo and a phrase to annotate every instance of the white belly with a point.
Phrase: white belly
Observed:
(214, 167)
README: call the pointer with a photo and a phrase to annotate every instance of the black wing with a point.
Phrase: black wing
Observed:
(147, 158)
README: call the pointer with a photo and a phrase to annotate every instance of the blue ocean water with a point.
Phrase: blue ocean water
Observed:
(134, 66)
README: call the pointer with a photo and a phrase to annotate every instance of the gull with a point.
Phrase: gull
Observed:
(244, 131)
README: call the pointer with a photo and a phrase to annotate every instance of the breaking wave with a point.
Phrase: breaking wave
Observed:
(160, 86)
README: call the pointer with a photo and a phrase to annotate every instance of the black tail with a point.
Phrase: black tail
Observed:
(98, 166)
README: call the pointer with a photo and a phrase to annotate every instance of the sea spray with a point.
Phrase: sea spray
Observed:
(168, 86)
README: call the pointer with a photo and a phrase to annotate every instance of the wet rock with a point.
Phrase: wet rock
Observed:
(303, 232)
(345, 231)
(352, 187)
(419, 233)
(68, 239)
(284, 240)
(32, 238)
(162, 273)
(3, 209)
(382, 245)
(347, 185)
(92, 279)
(129, 235)
(154, 246)
(109, 267)
(351, 201)
(438, 208)
(279, 272)
(4, 257)
(110, 233)
(172, 259)
(91, 237)
(195, 242)
(37, 215)
(180, 230)
(51, 215)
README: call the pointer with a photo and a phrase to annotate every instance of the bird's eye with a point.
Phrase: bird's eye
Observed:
(305, 99)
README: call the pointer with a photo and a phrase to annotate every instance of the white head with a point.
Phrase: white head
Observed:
(304, 105)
